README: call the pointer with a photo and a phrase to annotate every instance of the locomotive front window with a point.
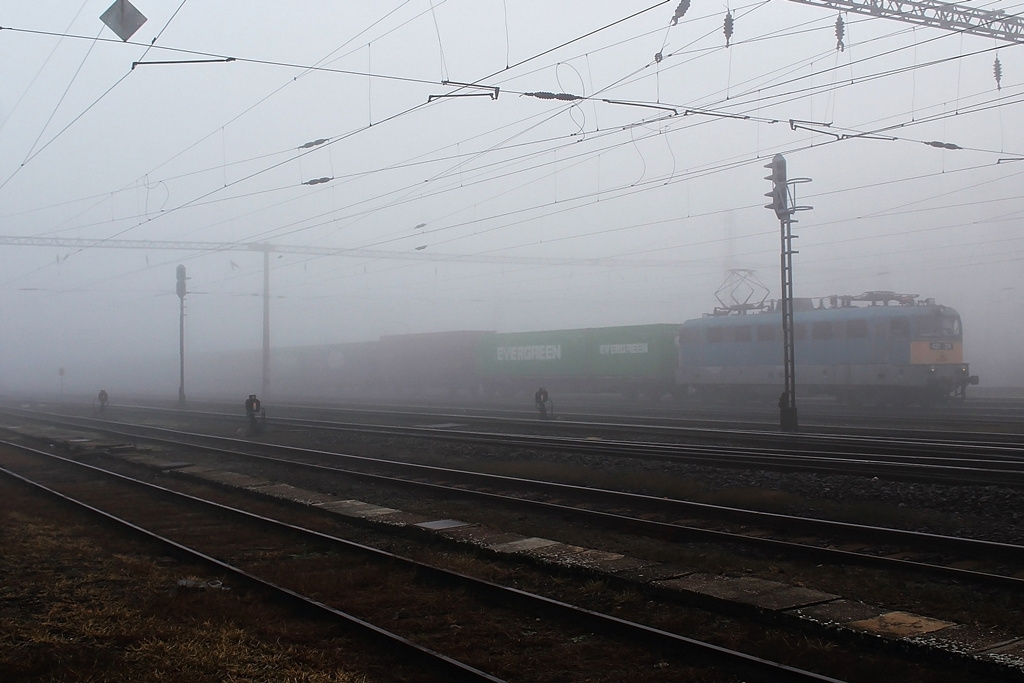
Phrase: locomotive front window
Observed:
(742, 333)
(945, 326)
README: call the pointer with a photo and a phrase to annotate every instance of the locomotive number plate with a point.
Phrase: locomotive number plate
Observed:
(941, 346)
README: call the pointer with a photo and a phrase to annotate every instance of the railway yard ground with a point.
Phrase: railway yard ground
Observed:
(473, 538)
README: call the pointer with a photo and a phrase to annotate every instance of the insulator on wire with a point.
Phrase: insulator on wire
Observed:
(997, 69)
(564, 96)
(840, 33)
(680, 11)
(727, 28)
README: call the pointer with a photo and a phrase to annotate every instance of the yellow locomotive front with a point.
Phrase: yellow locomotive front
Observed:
(937, 350)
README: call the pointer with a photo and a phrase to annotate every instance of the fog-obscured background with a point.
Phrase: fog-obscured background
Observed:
(473, 212)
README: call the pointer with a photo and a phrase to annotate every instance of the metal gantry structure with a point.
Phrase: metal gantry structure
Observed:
(943, 15)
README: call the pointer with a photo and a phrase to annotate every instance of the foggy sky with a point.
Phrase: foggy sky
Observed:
(626, 207)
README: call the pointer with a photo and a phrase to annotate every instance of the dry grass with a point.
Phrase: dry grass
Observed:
(75, 610)
(77, 607)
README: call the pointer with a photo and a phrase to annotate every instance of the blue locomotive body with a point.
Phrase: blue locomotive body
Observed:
(905, 352)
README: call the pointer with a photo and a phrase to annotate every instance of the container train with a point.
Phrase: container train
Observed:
(630, 360)
(874, 347)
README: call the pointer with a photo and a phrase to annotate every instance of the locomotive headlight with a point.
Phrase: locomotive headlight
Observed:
(931, 368)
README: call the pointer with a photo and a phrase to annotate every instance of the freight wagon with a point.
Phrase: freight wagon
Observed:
(873, 347)
(393, 366)
(411, 364)
(631, 360)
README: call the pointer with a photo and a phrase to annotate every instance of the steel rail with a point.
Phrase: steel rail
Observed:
(804, 452)
(692, 417)
(435, 660)
(919, 540)
(512, 596)
(907, 443)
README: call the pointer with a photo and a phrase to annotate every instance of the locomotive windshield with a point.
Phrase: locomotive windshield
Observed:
(940, 326)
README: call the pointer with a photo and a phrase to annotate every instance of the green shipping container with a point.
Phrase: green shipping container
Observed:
(631, 359)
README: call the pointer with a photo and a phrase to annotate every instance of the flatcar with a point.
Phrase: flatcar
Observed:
(877, 347)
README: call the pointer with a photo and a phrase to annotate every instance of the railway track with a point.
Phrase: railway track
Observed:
(975, 460)
(998, 416)
(720, 525)
(814, 539)
(223, 536)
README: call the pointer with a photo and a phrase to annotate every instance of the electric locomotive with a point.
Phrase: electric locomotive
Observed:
(876, 347)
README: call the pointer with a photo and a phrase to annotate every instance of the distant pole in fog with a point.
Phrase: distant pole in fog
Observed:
(181, 333)
(266, 318)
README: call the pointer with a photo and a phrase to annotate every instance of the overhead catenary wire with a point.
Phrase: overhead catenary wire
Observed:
(42, 67)
(129, 228)
(32, 155)
(345, 71)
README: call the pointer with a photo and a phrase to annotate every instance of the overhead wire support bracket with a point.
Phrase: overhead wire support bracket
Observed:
(793, 123)
(868, 136)
(493, 91)
(184, 61)
(943, 15)
(720, 114)
(814, 127)
(643, 104)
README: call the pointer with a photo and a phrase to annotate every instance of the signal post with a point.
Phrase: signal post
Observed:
(784, 207)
